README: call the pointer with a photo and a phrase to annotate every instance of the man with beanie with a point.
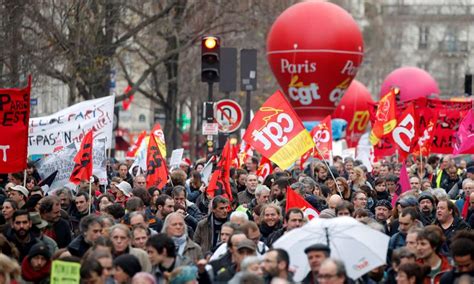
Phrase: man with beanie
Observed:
(427, 206)
(126, 265)
(36, 266)
(383, 211)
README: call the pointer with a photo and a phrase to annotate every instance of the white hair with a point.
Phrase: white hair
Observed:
(240, 215)
(260, 188)
(166, 223)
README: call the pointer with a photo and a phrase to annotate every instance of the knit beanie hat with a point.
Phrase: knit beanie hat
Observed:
(128, 263)
(39, 249)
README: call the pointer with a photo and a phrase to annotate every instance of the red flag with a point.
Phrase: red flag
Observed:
(425, 138)
(465, 136)
(126, 102)
(405, 133)
(220, 179)
(157, 173)
(322, 137)
(15, 115)
(160, 136)
(83, 161)
(277, 132)
(293, 200)
(134, 148)
(404, 183)
(385, 117)
(265, 168)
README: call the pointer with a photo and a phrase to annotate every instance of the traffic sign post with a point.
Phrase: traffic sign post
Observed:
(229, 116)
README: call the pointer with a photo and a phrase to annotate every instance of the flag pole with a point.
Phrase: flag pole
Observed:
(24, 177)
(90, 193)
(329, 170)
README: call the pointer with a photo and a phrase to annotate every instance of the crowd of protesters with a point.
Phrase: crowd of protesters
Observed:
(127, 233)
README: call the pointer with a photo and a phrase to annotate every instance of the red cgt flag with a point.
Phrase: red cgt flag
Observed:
(220, 179)
(134, 148)
(157, 173)
(385, 117)
(277, 132)
(405, 134)
(83, 160)
(294, 200)
(14, 120)
(322, 137)
(265, 168)
(426, 132)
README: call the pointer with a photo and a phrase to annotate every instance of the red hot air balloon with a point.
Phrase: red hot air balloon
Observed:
(314, 49)
(413, 83)
(354, 108)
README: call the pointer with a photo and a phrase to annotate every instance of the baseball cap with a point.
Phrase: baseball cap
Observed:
(407, 201)
(246, 243)
(125, 188)
(21, 189)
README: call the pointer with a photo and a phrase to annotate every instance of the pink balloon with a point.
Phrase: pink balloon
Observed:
(413, 83)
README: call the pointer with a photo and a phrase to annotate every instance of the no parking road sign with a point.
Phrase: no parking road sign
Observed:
(229, 115)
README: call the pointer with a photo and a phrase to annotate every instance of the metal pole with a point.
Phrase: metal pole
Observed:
(209, 92)
(248, 106)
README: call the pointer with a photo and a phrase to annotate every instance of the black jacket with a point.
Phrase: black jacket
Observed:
(78, 246)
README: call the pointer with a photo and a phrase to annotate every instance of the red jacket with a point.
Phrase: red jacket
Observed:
(445, 267)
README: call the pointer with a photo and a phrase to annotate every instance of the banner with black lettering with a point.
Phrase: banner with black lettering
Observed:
(14, 116)
(70, 125)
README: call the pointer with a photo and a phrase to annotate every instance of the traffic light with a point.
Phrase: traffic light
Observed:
(210, 56)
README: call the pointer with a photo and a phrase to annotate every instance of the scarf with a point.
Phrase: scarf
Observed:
(180, 243)
(29, 274)
(267, 230)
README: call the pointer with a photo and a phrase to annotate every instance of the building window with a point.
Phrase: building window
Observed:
(423, 40)
(141, 118)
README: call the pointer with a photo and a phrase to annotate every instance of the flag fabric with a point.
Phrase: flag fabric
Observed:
(49, 179)
(207, 170)
(294, 200)
(134, 148)
(246, 151)
(465, 136)
(322, 137)
(83, 160)
(277, 132)
(219, 184)
(157, 173)
(405, 133)
(128, 101)
(15, 115)
(385, 117)
(403, 182)
(265, 168)
(425, 138)
(160, 136)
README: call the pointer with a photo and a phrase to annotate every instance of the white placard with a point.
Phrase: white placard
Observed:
(176, 157)
(70, 125)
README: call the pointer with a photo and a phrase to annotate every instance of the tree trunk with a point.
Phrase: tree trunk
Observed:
(171, 66)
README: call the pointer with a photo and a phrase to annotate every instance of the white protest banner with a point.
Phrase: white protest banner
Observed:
(63, 161)
(176, 157)
(71, 124)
